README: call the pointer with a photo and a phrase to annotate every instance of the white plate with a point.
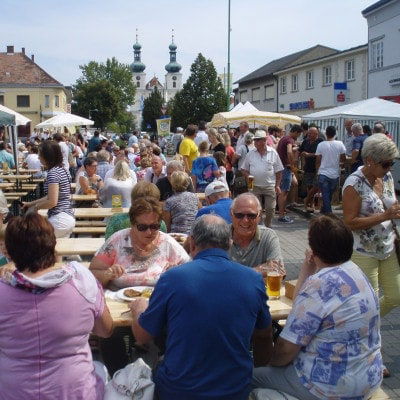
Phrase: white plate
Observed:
(120, 294)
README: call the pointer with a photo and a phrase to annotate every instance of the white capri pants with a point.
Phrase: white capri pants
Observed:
(63, 224)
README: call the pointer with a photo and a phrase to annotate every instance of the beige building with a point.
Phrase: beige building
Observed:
(28, 89)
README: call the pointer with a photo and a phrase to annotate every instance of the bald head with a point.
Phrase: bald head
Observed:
(210, 231)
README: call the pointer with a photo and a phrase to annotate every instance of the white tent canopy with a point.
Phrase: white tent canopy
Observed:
(374, 108)
(19, 119)
(243, 107)
(65, 119)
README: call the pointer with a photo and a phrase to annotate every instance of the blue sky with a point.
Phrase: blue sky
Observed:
(69, 33)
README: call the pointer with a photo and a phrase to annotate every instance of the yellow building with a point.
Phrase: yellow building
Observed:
(29, 90)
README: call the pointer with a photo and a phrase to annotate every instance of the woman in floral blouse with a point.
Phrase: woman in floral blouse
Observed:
(369, 205)
(133, 257)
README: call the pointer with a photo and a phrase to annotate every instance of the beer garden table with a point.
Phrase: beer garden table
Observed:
(88, 213)
(81, 246)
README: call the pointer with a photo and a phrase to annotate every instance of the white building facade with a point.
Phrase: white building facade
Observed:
(325, 82)
(383, 20)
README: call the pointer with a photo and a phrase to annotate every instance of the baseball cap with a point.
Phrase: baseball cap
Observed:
(179, 129)
(260, 135)
(215, 187)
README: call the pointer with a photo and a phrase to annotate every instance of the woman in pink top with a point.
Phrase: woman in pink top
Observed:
(46, 316)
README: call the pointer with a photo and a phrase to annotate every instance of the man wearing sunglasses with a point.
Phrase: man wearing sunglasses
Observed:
(212, 309)
(253, 244)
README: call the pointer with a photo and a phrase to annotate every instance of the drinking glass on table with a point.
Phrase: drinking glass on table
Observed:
(273, 273)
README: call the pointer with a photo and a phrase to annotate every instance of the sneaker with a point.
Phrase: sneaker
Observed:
(285, 220)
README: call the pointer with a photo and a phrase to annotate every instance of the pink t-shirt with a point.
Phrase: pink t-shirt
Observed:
(44, 348)
(141, 270)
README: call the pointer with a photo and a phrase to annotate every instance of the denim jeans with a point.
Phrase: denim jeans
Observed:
(327, 187)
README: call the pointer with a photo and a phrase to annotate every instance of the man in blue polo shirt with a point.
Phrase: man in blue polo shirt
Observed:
(217, 195)
(211, 308)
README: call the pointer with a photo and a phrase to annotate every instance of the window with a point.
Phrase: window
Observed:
(349, 70)
(138, 84)
(270, 92)
(283, 84)
(56, 101)
(255, 94)
(309, 79)
(327, 76)
(23, 101)
(47, 101)
(1, 100)
(377, 54)
(243, 96)
(295, 83)
(174, 84)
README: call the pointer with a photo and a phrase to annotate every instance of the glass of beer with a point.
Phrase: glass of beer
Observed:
(274, 283)
(250, 182)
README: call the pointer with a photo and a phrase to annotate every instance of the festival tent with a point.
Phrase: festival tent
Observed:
(367, 112)
(19, 119)
(10, 119)
(243, 107)
(253, 117)
(64, 119)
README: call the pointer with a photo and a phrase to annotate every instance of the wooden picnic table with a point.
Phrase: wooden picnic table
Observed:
(121, 316)
(15, 177)
(81, 246)
(84, 197)
(22, 171)
(88, 213)
(6, 185)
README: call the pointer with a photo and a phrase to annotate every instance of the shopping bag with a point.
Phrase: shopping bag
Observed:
(132, 382)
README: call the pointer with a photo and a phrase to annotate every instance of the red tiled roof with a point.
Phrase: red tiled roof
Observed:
(19, 69)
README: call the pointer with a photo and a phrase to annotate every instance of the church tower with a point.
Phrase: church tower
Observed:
(137, 67)
(173, 78)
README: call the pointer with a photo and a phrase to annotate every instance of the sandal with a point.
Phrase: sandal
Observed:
(385, 372)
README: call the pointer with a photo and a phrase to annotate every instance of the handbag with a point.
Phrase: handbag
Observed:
(132, 382)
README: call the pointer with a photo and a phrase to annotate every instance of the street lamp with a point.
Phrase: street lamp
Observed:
(95, 110)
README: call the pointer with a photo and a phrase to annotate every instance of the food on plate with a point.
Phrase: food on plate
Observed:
(132, 293)
(147, 292)
(180, 238)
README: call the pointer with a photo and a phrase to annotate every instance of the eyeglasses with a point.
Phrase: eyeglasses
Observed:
(144, 227)
(386, 164)
(249, 216)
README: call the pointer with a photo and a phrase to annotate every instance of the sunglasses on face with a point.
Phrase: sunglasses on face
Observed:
(386, 164)
(144, 227)
(249, 216)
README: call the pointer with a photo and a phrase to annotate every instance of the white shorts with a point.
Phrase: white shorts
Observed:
(63, 224)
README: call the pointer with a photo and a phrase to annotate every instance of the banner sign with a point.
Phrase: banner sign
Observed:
(340, 93)
(163, 126)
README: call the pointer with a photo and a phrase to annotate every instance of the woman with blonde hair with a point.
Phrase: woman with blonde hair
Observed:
(215, 140)
(181, 208)
(121, 183)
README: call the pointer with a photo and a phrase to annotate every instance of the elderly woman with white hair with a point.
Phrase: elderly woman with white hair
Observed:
(369, 209)
(121, 183)
(358, 143)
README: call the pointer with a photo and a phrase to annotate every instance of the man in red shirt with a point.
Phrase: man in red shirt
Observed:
(286, 149)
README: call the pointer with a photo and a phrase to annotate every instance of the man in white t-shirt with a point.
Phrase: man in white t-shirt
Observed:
(330, 154)
(264, 164)
(243, 130)
(201, 135)
(59, 138)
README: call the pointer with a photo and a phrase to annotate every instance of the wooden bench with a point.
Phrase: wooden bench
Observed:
(90, 230)
(29, 186)
(90, 223)
(15, 194)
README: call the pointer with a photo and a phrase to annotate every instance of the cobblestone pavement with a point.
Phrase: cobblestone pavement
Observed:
(293, 239)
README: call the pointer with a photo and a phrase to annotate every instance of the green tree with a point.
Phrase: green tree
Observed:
(112, 80)
(152, 109)
(201, 96)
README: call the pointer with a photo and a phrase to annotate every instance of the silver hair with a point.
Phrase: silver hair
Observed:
(248, 139)
(379, 128)
(103, 155)
(357, 127)
(250, 196)
(378, 148)
(174, 165)
(211, 231)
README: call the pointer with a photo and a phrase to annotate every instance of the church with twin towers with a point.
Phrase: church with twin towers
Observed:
(172, 83)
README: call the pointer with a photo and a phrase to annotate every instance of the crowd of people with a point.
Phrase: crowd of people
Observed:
(208, 313)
